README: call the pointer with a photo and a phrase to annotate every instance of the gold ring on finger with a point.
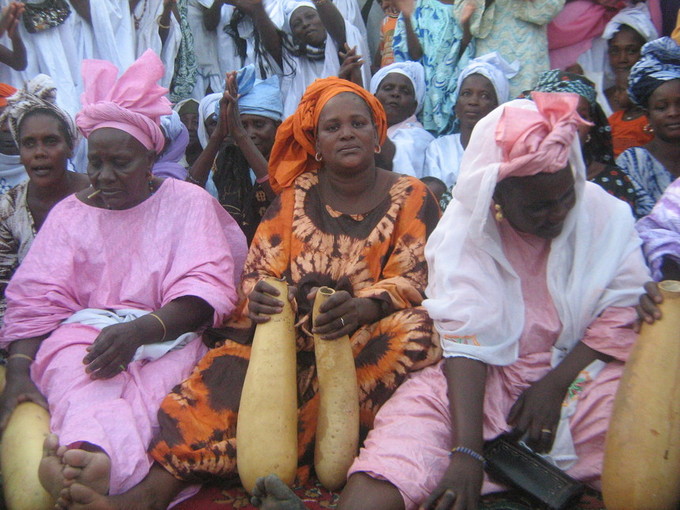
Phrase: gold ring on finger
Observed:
(546, 431)
(122, 367)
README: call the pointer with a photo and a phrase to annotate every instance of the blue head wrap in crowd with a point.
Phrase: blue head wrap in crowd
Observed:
(259, 97)
(659, 62)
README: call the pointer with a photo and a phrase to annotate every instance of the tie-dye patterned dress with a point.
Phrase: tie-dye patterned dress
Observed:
(376, 255)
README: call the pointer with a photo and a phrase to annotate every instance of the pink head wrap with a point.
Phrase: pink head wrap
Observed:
(133, 103)
(538, 141)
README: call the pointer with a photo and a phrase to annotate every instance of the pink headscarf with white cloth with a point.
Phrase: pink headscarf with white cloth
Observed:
(474, 295)
(535, 142)
(133, 103)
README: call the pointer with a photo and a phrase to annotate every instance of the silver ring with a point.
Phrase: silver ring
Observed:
(342, 321)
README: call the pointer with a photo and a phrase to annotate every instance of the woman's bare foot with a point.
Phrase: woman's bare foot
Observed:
(50, 470)
(89, 468)
(270, 493)
(85, 498)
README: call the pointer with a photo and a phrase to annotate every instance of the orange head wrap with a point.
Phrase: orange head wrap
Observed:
(5, 92)
(295, 144)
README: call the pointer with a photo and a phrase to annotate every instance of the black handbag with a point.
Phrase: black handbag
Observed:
(46, 14)
(513, 464)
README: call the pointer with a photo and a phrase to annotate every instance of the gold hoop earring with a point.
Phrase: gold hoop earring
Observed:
(588, 138)
(378, 149)
(648, 129)
(318, 157)
(499, 213)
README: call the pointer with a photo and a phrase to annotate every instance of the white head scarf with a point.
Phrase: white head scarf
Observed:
(474, 294)
(636, 17)
(289, 7)
(207, 107)
(412, 70)
(496, 69)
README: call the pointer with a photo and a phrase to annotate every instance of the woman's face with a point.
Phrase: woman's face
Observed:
(539, 204)
(624, 50)
(397, 96)
(664, 111)
(261, 130)
(476, 99)
(307, 28)
(190, 120)
(346, 136)
(120, 167)
(583, 110)
(43, 149)
(210, 124)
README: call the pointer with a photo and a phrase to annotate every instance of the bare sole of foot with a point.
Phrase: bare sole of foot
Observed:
(270, 493)
(50, 469)
(85, 498)
(91, 469)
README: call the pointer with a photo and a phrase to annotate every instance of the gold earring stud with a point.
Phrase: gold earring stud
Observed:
(499, 213)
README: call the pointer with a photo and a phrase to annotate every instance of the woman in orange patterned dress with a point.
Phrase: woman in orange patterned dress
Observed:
(341, 222)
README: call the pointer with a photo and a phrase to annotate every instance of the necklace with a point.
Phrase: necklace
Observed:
(138, 20)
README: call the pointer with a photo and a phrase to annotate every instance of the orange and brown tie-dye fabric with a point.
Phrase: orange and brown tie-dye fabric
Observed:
(379, 255)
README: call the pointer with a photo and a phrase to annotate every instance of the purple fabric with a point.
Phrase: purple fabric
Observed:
(167, 165)
(660, 230)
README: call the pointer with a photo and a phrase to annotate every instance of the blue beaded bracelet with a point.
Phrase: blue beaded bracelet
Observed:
(470, 452)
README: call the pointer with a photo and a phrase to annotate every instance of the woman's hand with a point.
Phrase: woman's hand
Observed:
(20, 388)
(232, 114)
(263, 302)
(339, 315)
(113, 350)
(350, 69)
(460, 487)
(536, 413)
(647, 309)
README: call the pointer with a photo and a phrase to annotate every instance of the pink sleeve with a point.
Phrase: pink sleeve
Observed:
(612, 332)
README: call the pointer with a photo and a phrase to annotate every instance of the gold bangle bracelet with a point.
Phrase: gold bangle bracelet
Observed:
(20, 356)
(165, 330)
(158, 20)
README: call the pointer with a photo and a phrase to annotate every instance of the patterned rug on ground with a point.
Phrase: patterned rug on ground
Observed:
(316, 497)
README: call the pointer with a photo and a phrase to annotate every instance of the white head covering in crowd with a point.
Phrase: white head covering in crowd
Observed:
(412, 70)
(206, 108)
(496, 69)
(474, 294)
(289, 7)
(636, 17)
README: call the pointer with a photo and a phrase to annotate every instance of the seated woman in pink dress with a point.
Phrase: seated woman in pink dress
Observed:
(533, 276)
(102, 312)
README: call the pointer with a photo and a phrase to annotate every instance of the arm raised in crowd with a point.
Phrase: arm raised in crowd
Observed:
(407, 8)
(16, 57)
(269, 34)
(332, 21)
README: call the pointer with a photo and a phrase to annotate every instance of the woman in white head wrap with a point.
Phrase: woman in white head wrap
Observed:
(533, 278)
(314, 36)
(482, 86)
(400, 88)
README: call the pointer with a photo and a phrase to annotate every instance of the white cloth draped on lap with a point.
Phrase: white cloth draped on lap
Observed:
(475, 296)
(98, 318)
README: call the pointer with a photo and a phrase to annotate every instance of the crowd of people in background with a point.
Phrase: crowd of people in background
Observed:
(158, 158)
